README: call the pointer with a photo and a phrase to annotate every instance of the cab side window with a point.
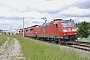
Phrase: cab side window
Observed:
(26, 30)
(56, 25)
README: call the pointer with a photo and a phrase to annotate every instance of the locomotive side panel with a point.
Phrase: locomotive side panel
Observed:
(58, 30)
(50, 31)
(31, 31)
(39, 31)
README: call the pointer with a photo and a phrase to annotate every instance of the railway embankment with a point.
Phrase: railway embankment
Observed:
(38, 50)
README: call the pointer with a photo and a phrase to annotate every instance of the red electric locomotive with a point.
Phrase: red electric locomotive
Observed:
(58, 30)
(31, 31)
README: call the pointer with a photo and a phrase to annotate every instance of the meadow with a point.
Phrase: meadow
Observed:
(84, 40)
(35, 50)
(3, 38)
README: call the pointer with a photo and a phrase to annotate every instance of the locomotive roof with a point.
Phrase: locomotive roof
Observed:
(32, 26)
(52, 22)
(57, 19)
(60, 20)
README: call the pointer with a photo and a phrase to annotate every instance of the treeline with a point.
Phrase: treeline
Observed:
(83, 29)
(0, 30)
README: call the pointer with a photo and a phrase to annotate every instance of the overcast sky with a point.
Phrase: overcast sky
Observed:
(12, 12)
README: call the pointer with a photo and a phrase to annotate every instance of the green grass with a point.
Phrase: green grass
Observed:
(84, 40)
(2, 39)
(34, 50)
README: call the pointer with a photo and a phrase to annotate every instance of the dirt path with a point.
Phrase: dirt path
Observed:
(11, 50)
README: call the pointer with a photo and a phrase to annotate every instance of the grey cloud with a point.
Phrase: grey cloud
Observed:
(49, 11)
(1, 17)
(52, 11)
(80, 4)
(11, 18)
(76, 15)
(83, 5)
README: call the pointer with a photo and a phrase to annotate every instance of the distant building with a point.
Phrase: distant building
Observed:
(10, 32)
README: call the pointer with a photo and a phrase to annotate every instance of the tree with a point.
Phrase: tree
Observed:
(77, 24)
(89, 26)
(83, 29)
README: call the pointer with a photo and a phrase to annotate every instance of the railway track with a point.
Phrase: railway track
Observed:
(81, 45)
(78, 45)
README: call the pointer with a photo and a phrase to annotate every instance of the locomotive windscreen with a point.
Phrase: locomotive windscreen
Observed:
(68, 24)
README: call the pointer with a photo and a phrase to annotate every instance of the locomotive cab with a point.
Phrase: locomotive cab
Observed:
(65, 29)
(69, 31)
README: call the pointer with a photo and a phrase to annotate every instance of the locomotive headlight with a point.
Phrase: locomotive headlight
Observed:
(74, 30)
(74, 33)
(65, 30)
(61, 37)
